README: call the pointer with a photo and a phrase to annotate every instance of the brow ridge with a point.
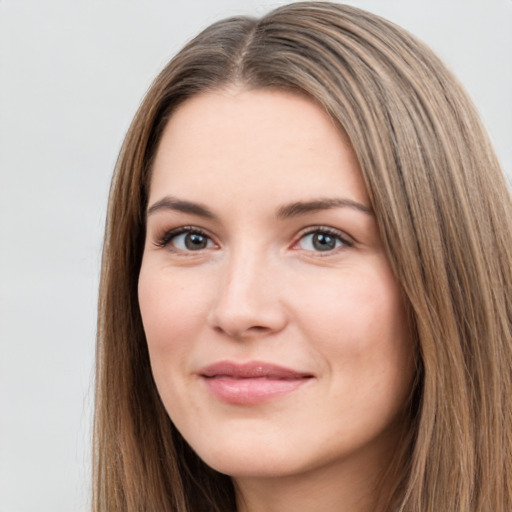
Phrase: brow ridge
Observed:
(303, 207)
(180, 205)
(294, 209)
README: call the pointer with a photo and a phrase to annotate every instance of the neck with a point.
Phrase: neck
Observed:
(344, 486)
(301, 495)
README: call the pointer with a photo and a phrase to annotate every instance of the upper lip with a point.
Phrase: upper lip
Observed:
(251, 370)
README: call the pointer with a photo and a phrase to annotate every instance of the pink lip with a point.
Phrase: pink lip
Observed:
(251, 383)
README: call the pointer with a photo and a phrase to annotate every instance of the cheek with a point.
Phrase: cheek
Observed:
(171, 310)
(173, 315)
(357, 306)
(359, 326)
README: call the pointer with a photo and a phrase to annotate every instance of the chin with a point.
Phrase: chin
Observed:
(250, 460)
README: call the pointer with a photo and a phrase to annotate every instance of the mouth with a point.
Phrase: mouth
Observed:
(251, 383)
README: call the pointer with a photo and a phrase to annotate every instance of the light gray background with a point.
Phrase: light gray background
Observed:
(72, 74)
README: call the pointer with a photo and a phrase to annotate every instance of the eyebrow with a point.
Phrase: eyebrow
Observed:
(294, 209)
(179, 205)
(304, 207)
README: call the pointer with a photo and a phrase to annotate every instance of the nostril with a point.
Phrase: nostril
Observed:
(254, 317)
(254, 330)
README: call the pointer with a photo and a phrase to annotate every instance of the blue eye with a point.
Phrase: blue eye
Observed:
(321, 241)
(186, 240)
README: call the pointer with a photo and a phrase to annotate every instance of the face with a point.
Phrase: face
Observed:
(276, 331)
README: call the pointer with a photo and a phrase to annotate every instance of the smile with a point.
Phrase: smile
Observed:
(251, 383)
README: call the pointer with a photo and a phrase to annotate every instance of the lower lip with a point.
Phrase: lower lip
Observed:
(251, 391)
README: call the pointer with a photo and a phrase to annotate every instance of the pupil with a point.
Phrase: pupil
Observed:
(323, 242)
(195, 241)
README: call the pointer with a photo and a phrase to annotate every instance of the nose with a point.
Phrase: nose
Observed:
(248, 302)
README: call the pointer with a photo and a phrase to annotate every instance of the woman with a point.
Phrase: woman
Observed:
(305, 297)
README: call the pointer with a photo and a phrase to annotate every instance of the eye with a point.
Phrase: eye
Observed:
(191, 241)
(322, 240)
(186, 239)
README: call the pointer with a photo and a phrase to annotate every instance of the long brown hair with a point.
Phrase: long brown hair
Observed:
(445, 216)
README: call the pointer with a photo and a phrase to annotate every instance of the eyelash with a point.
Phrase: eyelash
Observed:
(339, 235)
(165, 240)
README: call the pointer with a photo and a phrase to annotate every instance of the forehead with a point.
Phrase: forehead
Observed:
(236, 140)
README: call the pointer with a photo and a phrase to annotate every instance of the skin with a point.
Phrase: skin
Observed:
(259, 289)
